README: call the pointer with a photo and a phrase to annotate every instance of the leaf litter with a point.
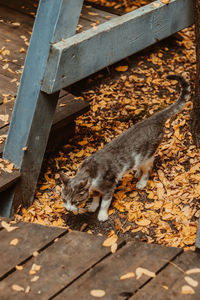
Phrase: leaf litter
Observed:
(166, 211)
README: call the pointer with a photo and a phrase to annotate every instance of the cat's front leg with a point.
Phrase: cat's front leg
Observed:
(105, 203)
(95, 203)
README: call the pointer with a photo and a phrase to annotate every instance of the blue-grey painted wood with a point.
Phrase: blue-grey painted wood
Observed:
(34, 110)
(88, 52)
(198, 236)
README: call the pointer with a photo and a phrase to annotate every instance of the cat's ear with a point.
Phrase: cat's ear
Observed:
(64, 178)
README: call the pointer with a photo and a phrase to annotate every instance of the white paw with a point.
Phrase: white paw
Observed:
(102, 216)
(70, 206)
(92, 207)
(141, 185)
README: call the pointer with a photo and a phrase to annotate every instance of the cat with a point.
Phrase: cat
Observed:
(132, 150)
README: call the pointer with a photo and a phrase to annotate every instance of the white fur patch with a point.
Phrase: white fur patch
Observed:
(70, 206)
(103, 215)
(137, 158)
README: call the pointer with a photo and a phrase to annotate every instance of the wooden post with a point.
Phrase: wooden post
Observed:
(34, 110)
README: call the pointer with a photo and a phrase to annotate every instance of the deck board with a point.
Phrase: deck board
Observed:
(31, 238)
(168, 283)
(71, 264)
(61, 263)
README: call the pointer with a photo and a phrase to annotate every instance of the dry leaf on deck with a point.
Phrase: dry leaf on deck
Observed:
(140, 271)
(35, 278)
(19, 268)
(4, 118)
(193, 271)
(113, 248)
(14, 242)
(97, 293)
(191, 281)
(187, 290)
(7, 226)
(17, 288)
(127, 276)
(110, 241)
(34, 269)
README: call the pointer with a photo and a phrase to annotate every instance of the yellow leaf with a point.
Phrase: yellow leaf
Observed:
(113, 248)
(17, 288)
(35, 278)
(34, 269)
(7, 226)
(143, 222)
(121, 68)
(110, 241)
(97, 293)
(14, 242)
(165, 1)
(19, 268)
(187, 290)
(140, 271)
(191, 281)
(127, 276)
(193, 271)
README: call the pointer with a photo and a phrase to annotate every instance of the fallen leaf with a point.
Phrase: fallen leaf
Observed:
(127, 276)
(4, 118)
(191, 281)
(7, 226)
(110, 241)
(121, 68)
(19, 268)
(27, 290)
(187, 290)
(193, 271)
(35, 268)
(97, 293)
(35, 278)
(14, 242)
(143, 222)
(17, 288)
(165, 1)
(113, 248)
(156, 4)
(140, 271)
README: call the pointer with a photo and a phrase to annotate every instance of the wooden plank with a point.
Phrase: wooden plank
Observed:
(32, 237)
(68, 109)
(169, 282)
(55, 20)
(198, 236)
(61, 263)
(85, 53)
(8, 179)
(106, 275)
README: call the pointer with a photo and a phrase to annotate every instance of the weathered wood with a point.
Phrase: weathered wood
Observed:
(31, 238)
(168, 284)
(55, 20)
(68, 109)
(61, 263)
(88, 52)
(106, 275)
(8, 179)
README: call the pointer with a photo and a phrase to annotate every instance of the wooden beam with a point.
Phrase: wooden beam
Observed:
(85, 53)
(34, 110)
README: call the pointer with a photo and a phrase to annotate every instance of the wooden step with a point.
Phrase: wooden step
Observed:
(68, 109)
(8, 174)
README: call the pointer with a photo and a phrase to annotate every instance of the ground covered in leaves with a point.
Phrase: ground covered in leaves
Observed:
(166, 211)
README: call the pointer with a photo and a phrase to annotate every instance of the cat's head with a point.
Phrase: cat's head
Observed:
(74, 191)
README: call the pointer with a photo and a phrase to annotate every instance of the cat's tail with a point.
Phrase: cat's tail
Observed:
(182, 99)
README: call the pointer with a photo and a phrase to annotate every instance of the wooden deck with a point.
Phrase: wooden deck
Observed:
(39, 262)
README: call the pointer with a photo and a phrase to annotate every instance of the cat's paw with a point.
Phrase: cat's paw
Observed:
(102, 216)
(141, 185)
(92, 207)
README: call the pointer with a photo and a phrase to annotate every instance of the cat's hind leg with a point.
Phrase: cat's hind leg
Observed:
(145, 167)
(95, 202)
